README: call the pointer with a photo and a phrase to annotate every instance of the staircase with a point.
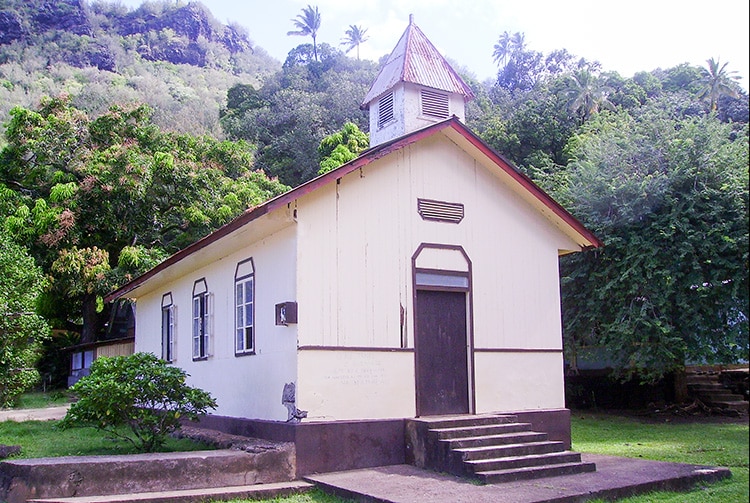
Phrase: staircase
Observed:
(491, 448)
(705, 385)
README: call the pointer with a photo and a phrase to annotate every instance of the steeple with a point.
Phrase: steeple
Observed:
(415, 88)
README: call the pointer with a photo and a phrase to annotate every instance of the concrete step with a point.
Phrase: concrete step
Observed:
(490, 429)
(257, 491)
(440, 422)
(706, 387)
(509, 462)
(495, 440)
(738, 405)
(499, 451)
(535, 472)
(720, 397)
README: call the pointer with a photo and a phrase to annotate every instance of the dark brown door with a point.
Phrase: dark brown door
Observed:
(441, 353)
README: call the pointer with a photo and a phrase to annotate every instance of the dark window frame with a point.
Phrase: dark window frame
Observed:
(167, 327)
(200, 325)
(243, 329)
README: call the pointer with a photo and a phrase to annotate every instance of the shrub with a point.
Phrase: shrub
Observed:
(140, 392)
(22, 330)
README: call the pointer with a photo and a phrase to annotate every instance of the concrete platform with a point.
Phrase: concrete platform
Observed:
(614, 478)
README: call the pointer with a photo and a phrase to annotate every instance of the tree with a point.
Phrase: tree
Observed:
(355, 36)
(140, 392)
(22, 330)
(586, 96)
(308, 23)
(716, 82)
(502, 49)
(669, 198)
(341, 147)
(88, 189)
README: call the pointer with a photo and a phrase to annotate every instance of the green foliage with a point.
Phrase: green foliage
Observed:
(291, 114)
(669, 198)
(141, 392)
(22, 330)
(341, 147)
(85, 190)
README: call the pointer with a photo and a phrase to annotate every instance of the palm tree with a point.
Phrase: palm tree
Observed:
(308, 23)
(355, 35)
(585, 95)
(502, 49)
(508, 47)
(717, 82)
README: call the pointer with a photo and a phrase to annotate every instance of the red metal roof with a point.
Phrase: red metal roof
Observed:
(364, 159)
(415, 60)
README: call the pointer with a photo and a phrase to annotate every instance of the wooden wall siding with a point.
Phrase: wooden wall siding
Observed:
(356, 272)
(245, 386)
(121, 349)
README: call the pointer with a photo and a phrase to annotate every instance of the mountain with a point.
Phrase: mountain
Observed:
(174, 56)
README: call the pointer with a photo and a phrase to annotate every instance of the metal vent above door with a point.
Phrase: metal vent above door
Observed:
(440, 211)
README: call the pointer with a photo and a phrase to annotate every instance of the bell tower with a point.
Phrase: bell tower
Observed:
(415, 88)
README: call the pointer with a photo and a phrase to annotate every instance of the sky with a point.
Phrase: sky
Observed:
(624, 36)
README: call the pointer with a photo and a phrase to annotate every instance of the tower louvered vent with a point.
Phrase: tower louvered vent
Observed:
(435, 104)
(385, 110)
(440, 211)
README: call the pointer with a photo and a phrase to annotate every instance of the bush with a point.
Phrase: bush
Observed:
(140, 392)
(22, 330)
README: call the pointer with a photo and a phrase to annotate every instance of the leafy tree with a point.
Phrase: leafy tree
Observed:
(586, 95)
(716, 81)
(308, 23)
(22, 330)
(292, 112)
(139, 392)
(88, 189)
(355, 36)
(341, 147)
(669, 198)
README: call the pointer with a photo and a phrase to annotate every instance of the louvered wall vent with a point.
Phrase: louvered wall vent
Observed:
(440, 211)
(385, 110)
(435, 104)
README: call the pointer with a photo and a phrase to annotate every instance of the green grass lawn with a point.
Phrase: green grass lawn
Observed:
(40, 399)
(43, 439)
(715, 444)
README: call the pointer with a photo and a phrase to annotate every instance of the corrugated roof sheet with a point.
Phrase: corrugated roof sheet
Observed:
(415, 60)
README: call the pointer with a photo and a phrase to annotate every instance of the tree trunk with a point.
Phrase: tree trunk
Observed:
(680, 385)
(90, 319)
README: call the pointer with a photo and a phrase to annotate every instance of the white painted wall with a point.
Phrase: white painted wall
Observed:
(244, 386)
(519, 381)
(356, 240)
(407, 113)
(356, 384)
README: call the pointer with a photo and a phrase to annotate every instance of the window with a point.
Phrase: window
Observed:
(435, 104)
(385, 110)
(167, 327)
(244, 302)
(200, 320)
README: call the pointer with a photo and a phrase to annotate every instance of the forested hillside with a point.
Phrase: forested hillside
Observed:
(175, 56)
(656, 163)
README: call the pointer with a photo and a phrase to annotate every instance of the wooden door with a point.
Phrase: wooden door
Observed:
(442, 370)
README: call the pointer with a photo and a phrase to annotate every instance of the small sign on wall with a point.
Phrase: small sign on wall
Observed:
(286, 313)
